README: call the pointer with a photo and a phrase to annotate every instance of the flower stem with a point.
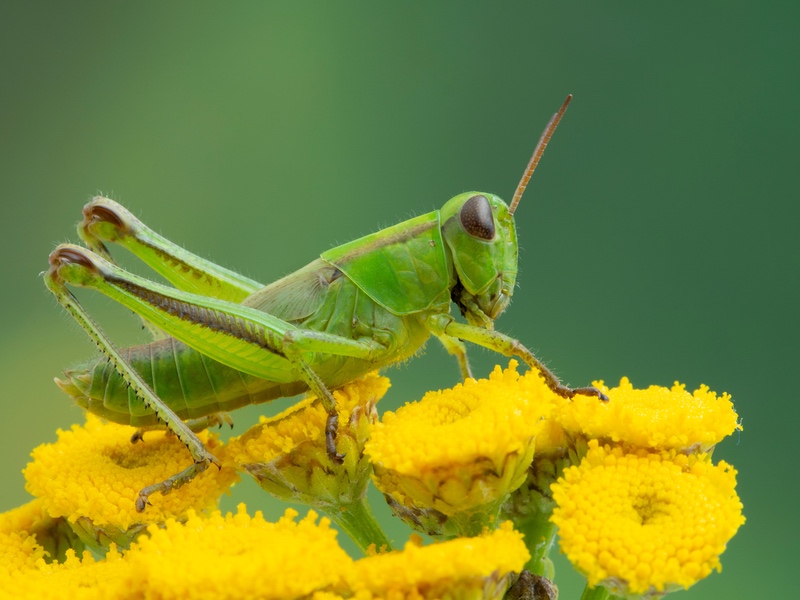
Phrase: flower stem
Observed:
(358, 521)
(595, 593)
(539, 535)
(599, 593)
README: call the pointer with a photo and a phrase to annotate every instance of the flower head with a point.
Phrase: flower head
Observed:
(287, 455)
(448, 461)
(211, 556)
(476, 567)
(656, 417)
(92, 475)
(237, 556)
(644, 522)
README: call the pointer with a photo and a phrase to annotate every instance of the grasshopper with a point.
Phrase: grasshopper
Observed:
(230, 341)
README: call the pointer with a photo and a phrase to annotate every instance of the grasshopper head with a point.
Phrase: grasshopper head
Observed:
(480, 232)
(479, 228)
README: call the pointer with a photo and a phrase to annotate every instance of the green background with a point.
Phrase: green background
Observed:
(658, 238)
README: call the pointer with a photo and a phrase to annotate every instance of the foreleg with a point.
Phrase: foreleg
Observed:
(442, 324)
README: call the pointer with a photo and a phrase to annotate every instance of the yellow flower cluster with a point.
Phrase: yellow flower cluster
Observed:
(92, 475)
(654, 461)
(238, 556)
(643, 510)
(642, 522)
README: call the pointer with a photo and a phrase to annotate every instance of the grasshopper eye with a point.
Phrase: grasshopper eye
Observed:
(476, 217)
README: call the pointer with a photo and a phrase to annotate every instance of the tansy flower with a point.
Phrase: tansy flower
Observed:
(92, 475)
(53, 535)
(287, 456)
(447, 462)
(467, 568)
(645, 523)
(237, 556)
(656, 417)
(76, 579)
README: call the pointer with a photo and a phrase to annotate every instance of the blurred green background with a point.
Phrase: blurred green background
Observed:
(659, 236)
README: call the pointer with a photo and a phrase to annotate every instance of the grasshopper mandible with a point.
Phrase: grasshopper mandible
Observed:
(232, 342)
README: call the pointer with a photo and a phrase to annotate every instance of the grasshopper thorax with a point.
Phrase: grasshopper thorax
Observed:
(480, 234)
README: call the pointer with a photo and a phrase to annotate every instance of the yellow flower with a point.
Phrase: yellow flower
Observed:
(447, 462)
(218, 557)
(92, 475)
(287, 455)
(463, 568)
(237, 556)
(53, 535)
(645, 522)
(656, 417)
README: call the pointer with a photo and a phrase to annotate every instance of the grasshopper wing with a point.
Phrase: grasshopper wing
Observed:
(296, 296)
(404, 268)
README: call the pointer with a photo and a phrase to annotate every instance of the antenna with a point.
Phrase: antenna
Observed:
(537, 154)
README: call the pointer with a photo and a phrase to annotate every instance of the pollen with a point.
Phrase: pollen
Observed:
(646, 522)
(93, 472)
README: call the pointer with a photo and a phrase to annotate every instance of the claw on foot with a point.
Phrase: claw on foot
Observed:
(331, 429)
(142, 502)
(570, 393)
(590, 391)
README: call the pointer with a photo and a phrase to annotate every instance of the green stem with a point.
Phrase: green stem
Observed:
(539, 535)
(595, 593)
(359, 523)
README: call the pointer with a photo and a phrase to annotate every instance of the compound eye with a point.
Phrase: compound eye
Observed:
(477, 219)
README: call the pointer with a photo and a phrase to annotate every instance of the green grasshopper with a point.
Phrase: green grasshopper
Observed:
(231, 341)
